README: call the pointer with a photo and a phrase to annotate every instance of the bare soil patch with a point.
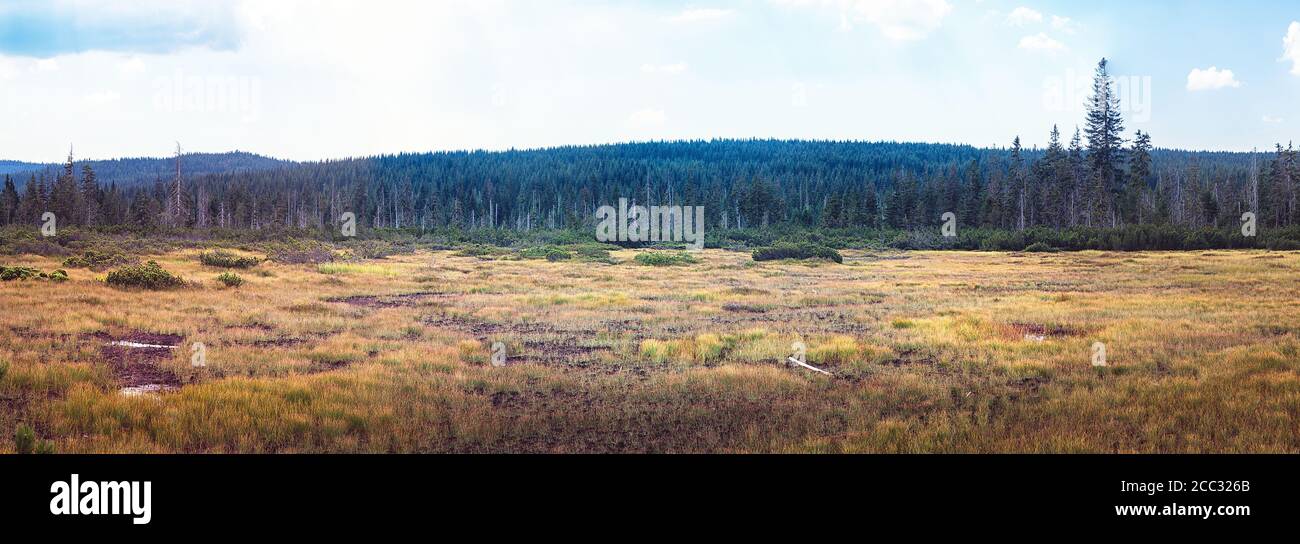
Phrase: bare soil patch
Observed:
(1040, 331)
(134, 358)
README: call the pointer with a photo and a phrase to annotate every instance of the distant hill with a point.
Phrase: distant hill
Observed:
(132, 172)
(9, 167)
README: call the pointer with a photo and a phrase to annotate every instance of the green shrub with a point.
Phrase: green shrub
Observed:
(24, 439)
(96, 260)
(1040, 247)
(27, 273)
(1003, 241)
(377, 249)
(300, 252)
(664, 258)
(483, 251)
(797, 251)
(550, 253)
(225, 259)
(43, 248)
(918, 240)
(593, 253)
(144, 276)
(230, 279)
(18, 273)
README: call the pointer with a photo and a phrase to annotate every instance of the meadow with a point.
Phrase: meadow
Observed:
(928, 351)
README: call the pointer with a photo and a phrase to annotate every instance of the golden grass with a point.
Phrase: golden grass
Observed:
(931, 352)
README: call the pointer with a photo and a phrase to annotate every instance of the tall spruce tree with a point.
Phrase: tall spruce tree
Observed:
(1103, 126)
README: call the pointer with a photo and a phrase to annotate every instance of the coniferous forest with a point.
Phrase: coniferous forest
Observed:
(1093, 186)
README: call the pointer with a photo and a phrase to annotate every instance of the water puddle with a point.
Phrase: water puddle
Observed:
(137, 359)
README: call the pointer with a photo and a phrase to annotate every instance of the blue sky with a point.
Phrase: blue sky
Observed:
(333, 78)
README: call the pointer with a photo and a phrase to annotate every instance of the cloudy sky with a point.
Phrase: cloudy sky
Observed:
(321, 79)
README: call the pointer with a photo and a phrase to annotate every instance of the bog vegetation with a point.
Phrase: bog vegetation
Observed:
(226, 259)
(787, 250)
(949, 351)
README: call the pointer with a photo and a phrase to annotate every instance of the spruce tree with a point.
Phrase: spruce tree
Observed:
(8, 202)
(1139, 173)
(1018, 177)
(33, 202)
(1103, 127)
(90, 197)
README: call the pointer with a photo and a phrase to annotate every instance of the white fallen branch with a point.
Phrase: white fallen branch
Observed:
(808, 366)
(130, 344)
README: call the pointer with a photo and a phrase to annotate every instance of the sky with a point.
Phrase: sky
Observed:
(320, 79)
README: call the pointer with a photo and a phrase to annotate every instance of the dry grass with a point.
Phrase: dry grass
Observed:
(932, 352)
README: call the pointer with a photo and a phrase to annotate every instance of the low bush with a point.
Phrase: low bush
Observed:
(594, 253)
(24, 273)
(549, 253)
(483, 251)
(12, 273)
(378, 249)
(39, 247)
(96, 260)
(301, 252)
(919, 240)
(149, 275)
(230, 279)
(226, 259)
(1040, 247)
(665, 258)
(797, 251)
(25, 441)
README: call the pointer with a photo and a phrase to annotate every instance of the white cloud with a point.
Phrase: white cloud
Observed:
(8, 68)
(675, 68)
(134, 65)
(1022, 16)
(1272, 120)
(47, 65)
(700, 15)
(1041, 42)
(899, 20)
(1210, 79)
(647, 118)
(1291, 47)
(100, 98)
(1063, 24)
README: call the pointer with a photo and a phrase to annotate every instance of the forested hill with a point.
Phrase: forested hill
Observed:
(9, 167)
(132, 172)
(741, 183)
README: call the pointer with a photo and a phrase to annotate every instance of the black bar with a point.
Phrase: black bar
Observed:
(230, 492)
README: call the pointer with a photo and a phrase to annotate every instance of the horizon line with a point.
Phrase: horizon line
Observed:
(1033, 148)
